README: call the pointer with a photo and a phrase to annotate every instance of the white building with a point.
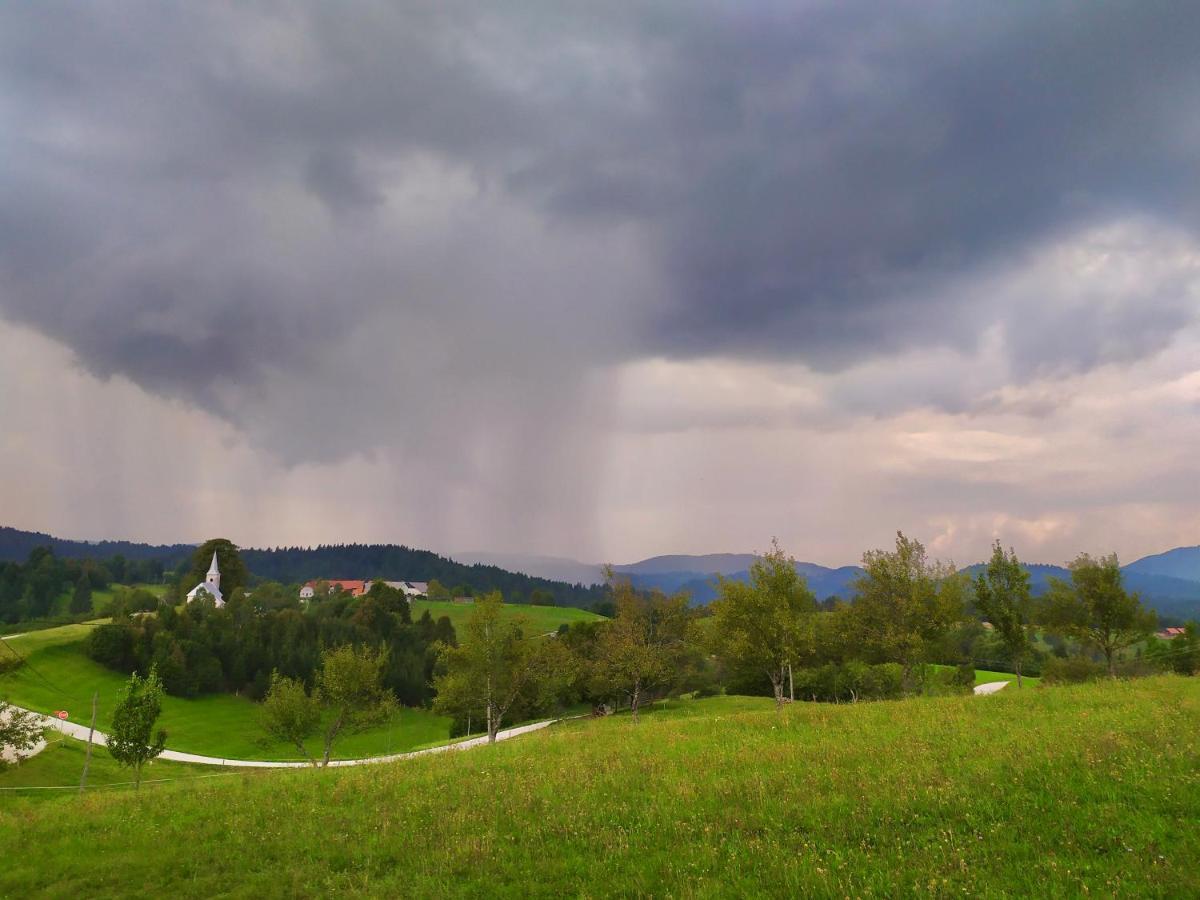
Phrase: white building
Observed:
(210, 587)
(306, 592)
(410, 588)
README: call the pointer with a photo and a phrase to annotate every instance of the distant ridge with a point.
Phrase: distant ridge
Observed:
(1168, 582)
(16, 545)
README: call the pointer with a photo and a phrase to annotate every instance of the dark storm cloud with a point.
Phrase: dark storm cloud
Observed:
(812, 181)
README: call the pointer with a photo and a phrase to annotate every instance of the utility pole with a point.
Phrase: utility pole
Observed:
(87, 759)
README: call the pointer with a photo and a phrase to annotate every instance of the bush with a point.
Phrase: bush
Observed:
(112, 646)
(1071, 670)
(959, 680)
(850, 681)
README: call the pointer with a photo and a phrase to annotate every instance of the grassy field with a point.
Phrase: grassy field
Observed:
(61, 763)
(58, 675)
(983, 676)
(1057, 792)
(542, 618)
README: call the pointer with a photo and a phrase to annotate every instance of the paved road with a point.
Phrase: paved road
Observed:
(991, 687)
(72, 729)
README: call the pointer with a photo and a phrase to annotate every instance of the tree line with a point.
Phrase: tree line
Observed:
(46, 585)
(770, 635)
(197, 648)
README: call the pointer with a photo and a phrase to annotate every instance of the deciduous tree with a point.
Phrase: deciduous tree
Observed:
(904, 604)
(350, 687)
(497, 662)
(1002, 596)
(19, 730)
(767, 623)
(290, 714)
(132, 740)
(1095, 609)
(638, 650)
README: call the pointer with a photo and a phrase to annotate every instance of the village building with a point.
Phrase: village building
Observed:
(359, 588)
(210, 586)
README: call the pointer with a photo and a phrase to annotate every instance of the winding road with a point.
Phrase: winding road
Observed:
(991, 687)
(71, 729)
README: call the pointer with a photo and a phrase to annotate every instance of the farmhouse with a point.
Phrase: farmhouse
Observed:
(210, 586)
(359, 588)
(1169, 634)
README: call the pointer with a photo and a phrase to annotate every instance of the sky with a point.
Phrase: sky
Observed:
(603, 281)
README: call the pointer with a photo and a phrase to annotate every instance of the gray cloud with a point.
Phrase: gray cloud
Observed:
(436, 227)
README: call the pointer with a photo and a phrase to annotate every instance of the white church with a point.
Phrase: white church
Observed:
(210, 586)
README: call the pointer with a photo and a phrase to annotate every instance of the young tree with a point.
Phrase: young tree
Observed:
(129, 740)
(81, 598)
(496, 663)
(289, 713)
(766, 624)
(637, 650)
(350, 687)
(904, 605)
(1002, 596)
(1096, 610)
(19, 730)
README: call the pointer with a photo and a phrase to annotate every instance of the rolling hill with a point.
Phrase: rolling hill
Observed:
(1041, 792)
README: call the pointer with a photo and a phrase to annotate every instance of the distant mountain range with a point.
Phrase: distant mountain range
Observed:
(1169, 582)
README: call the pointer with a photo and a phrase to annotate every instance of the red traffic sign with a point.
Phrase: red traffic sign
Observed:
(61, 713)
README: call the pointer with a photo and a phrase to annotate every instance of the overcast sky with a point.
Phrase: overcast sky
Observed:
(603, 280)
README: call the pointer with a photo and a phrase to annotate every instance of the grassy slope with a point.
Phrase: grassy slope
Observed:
(59, 676)
(61, 763)
(542, 618)
(1039, 793)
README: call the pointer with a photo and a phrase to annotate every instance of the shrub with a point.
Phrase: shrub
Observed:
(1071, 670)
(850, 681)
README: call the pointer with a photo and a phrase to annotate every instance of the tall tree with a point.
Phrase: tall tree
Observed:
(637, 650)
(130, 740)
(498, 662)
(904, 605)
(1002, 596)
(767, 623)
(81, 599)
(350, 687)
(1095, 609)
(234, 574)
(290, 714)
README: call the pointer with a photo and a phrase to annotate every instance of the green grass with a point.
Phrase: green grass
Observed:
(61, 764)
(983, 676)
(59, 675)
(543, 618)
(102, 598)
(1089, 789)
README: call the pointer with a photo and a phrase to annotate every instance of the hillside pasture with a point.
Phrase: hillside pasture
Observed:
(1088, 789)
(59, 675)
(542, 619)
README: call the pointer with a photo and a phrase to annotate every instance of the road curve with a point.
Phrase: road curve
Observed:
(72, 729)
(991, 687)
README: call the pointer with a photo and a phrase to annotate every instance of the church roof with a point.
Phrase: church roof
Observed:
(213, 570)
(209, 588)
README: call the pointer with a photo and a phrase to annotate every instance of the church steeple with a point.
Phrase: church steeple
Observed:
(214, 573)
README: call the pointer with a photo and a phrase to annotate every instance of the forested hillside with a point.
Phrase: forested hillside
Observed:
(396, 562)
(16, 545)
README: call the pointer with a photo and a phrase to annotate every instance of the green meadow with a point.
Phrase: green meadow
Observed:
(541, 618)
(59, 675)
(60, 765)
(1090, 789)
